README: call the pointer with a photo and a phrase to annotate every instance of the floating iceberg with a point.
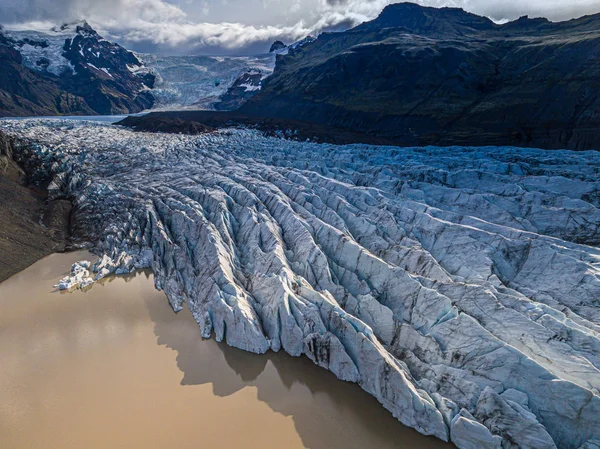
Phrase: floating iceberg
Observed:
(78, 278)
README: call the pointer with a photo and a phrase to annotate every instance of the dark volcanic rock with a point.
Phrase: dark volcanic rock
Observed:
(444, 76)
(172, 125)
(70, 70)
(57, 218)
(197, 122)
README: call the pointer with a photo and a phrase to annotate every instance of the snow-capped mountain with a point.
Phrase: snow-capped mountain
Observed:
(71, 62)
(277, 47)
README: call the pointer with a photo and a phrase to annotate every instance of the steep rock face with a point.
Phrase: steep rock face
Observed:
(277, 46)
(23, 92)
(444, 76)
(69, 70)
(244, 87)
(110, 78)
(6, 156)
(456, 285)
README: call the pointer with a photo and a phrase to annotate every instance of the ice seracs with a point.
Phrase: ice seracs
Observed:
(459, 286)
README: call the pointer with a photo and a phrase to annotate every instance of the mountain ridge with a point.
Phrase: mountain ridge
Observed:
(444, 76)
(69, 69)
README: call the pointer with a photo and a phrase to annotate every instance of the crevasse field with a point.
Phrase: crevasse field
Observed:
(459, 286)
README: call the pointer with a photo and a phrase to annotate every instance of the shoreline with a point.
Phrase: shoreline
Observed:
(116, 357)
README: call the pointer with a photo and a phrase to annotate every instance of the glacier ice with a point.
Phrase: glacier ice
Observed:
(44, 45)
(199, 81)
(78, 278)
(459, 286)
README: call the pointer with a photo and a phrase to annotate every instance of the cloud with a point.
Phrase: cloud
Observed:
(12, 11)
(243, 26)
(197, 36)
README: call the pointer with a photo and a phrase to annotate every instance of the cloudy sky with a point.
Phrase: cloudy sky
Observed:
(246, 26)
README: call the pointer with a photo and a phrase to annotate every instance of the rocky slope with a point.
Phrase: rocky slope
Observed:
(30, 227)
(459, 286)
(279, 48)
(443, 76)
(69, 70)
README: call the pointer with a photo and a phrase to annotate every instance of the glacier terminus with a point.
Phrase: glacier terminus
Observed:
(459, 286)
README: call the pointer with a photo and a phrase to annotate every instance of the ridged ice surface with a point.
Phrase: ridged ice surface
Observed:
(459, 286)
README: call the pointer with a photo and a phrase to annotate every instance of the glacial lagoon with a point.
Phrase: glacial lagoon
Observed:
(115, 367)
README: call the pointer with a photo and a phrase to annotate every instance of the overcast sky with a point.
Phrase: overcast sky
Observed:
(247, 26)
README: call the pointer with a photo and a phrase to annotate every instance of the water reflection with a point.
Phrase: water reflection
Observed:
(84, 370)
(327, 412)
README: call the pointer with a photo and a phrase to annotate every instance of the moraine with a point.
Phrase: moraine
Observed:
(459, 286)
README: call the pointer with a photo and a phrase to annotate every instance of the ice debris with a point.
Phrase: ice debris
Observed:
(78, 278)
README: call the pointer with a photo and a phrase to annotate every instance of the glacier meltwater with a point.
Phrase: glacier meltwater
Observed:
(459, 286)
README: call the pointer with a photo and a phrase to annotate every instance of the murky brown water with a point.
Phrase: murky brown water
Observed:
(114, 367)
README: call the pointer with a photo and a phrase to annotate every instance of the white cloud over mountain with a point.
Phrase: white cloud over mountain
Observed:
(213, 26)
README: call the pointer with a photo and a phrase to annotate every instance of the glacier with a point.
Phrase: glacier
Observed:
(459, 286)
(45, 44)
(192, 82)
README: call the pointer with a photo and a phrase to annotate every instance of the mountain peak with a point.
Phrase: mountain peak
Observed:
(74, 59)
(424, 20)
(74, 27)
(277, 46)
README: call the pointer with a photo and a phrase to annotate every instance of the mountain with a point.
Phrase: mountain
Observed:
(277, 46)
(69, 70)
(426, 76)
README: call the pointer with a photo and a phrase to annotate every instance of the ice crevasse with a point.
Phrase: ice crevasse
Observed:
(459, 286)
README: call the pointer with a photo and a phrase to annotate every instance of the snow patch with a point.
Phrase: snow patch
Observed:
(38, 46)
(250, 87)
